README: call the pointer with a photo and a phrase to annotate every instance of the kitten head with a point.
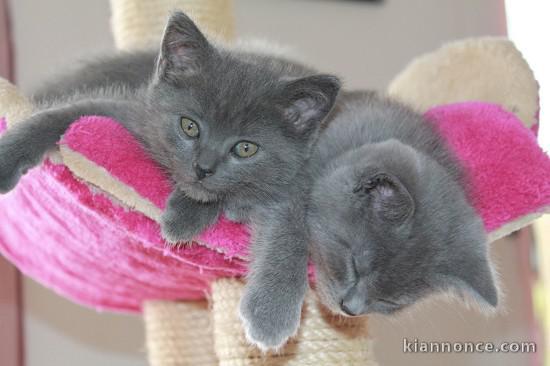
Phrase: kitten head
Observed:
(389, 227)
(227, 122)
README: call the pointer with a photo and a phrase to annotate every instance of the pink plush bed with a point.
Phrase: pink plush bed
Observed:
(91, 248)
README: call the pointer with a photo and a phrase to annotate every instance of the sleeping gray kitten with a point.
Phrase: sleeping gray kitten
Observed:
(387, 223)
(232, 129)
(389, 219)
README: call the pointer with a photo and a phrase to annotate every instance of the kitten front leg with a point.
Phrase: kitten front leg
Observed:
(24, 146)
(271, 305)
(185, 218)
(16, 158)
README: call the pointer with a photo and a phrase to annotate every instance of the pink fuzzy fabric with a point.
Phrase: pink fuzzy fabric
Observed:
(508, 173)
(67, 236)
(72, 239)
(79, 243)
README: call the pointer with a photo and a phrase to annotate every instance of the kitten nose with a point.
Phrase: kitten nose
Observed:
(345, 309)
(202, 172)
(353, 303)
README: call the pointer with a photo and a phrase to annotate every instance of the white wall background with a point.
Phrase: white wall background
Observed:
(365, 44)
(528, 27)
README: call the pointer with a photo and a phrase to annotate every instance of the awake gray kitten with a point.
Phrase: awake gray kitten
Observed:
(389, 219)
(232, 129)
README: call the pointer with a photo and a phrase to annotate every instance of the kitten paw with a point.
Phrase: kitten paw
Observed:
(8, 179)
(266, 325)
(177, 226)
(185, 218)
(11, 168)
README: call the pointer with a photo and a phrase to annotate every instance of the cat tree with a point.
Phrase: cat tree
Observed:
(187, 333)
(135, 273)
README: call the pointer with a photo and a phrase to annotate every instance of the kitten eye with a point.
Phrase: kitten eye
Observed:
(245, 149)
(189, 127)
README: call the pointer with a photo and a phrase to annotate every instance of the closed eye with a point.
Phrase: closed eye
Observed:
(391, 303)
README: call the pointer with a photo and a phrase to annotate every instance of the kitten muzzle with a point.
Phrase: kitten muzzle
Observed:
(354, 302)
(202, 172)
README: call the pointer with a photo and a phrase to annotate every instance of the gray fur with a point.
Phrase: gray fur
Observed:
(276, 285)
(232, 96)
(389, 219)
(387, 223)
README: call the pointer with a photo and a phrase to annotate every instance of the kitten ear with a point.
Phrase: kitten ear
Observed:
(472, 274)
(182, 49)
(307, 101)
(386, 197)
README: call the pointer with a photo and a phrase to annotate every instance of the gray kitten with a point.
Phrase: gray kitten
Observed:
(232, 129)
(387, 223)
(389, 219)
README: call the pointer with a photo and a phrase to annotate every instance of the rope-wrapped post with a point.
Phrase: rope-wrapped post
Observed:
(139, 23)
(323, 339)
(179, 333)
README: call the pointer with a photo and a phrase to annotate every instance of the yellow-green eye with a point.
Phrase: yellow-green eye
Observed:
(190, 127)
(245, 149)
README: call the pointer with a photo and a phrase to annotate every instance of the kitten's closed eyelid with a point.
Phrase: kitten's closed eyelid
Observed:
(390, 302)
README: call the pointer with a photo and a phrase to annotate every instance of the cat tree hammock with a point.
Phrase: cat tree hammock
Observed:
(90, 227)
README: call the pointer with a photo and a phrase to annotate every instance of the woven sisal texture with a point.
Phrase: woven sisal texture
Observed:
(179, 334)
(139, 23)
(323, 340)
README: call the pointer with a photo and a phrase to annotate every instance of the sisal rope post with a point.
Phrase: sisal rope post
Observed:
(179, 333)
(323, 339)
(139, 24)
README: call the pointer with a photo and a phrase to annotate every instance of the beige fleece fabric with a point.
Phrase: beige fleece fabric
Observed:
(482, 69)
(14, 106)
